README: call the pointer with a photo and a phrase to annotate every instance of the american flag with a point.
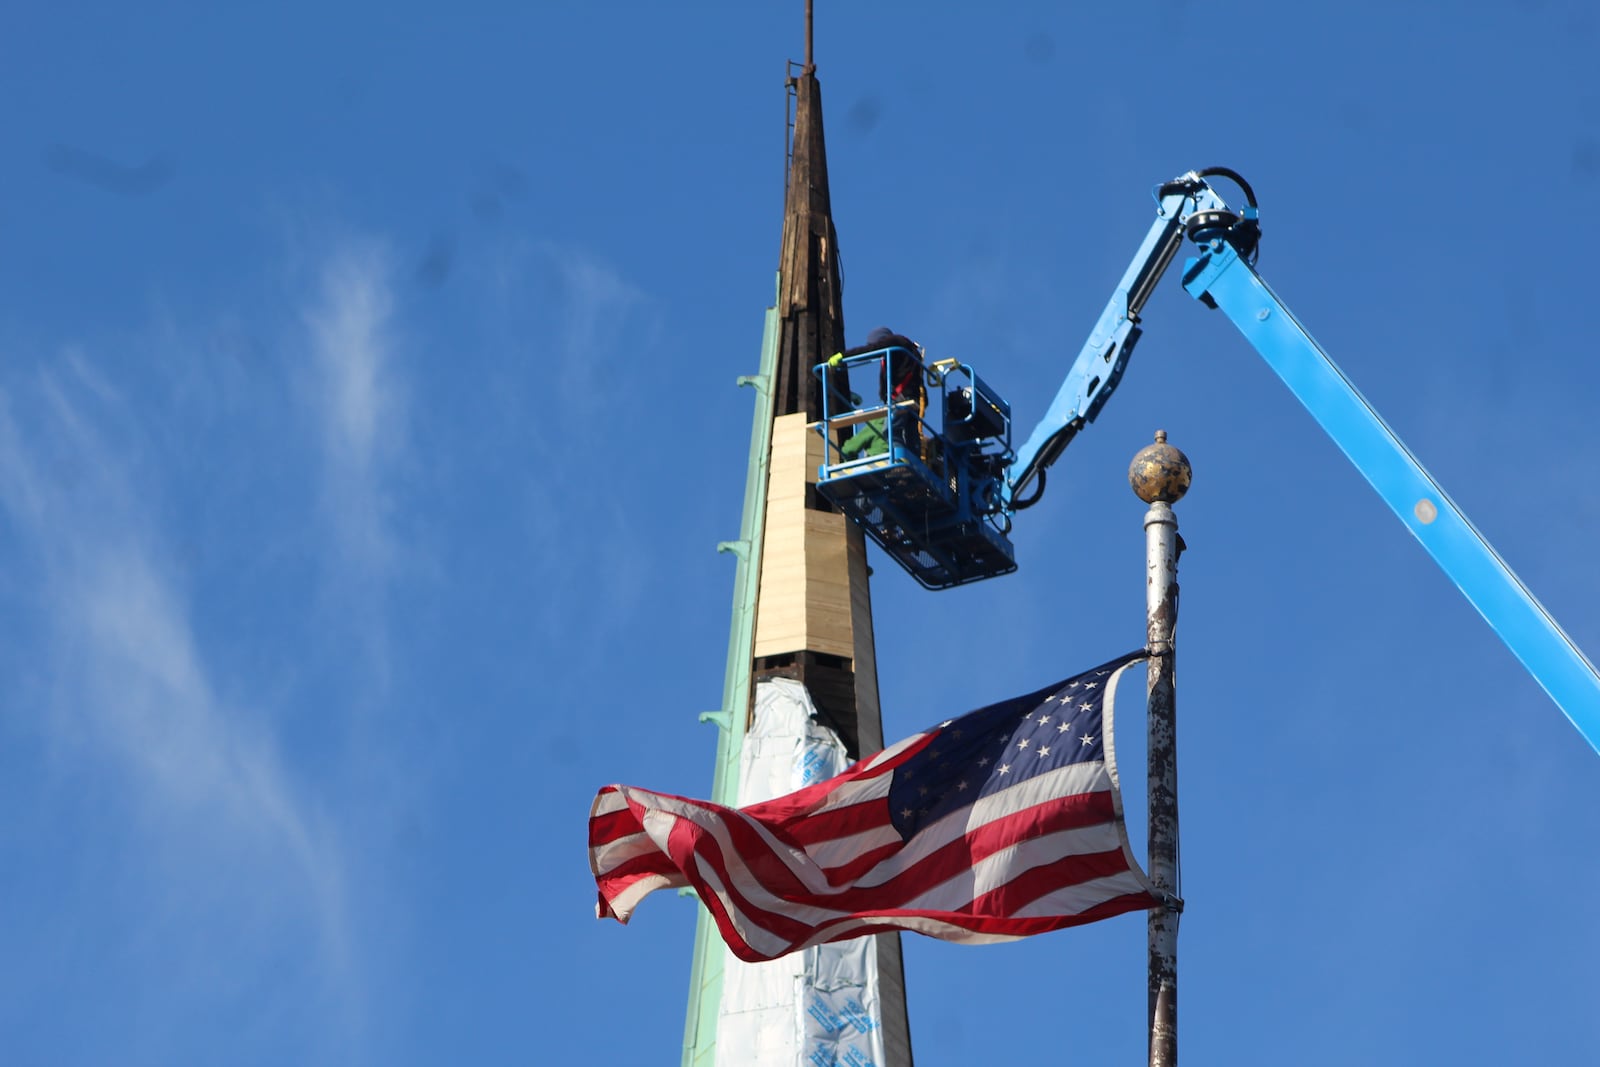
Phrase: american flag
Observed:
(1000, 824)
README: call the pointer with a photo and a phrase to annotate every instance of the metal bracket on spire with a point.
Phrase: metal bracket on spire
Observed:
(737, 548)
(723, 719)
(759, 382)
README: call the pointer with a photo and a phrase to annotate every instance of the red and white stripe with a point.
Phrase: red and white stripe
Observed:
(826, 863)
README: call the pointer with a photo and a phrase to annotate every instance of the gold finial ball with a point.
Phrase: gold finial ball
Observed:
(1159, 472)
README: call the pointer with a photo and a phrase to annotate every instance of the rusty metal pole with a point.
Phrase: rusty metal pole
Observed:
(1160, 476)
(810, 63)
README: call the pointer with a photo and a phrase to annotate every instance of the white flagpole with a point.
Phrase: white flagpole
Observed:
(1160, 476)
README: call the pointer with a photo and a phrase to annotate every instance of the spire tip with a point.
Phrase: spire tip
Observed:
(811, 65)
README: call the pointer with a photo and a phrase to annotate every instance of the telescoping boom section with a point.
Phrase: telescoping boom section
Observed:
(940, 502)
(921, 470)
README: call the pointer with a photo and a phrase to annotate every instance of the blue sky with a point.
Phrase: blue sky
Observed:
(368, 422)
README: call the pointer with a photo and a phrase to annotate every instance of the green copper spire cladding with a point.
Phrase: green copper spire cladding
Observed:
(705, 978)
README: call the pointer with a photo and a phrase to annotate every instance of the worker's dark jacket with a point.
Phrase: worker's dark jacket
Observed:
(904, 378)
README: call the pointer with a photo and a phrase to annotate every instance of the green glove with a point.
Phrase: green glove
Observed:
(836, 359)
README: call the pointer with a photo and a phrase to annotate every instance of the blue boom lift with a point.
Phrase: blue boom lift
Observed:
(936, 488)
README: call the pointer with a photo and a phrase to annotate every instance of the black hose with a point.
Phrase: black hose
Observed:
(1235, 177)
(1021, 505)
(1245, 233)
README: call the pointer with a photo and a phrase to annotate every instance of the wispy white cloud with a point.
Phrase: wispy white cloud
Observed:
(358, 399)
(602, 328)
(133, 708)
(596, 388)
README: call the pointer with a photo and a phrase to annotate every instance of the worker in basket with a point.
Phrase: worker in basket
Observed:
(899, 379)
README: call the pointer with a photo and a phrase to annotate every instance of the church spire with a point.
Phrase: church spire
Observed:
(809, 309)
(802, 613)
(813, 618)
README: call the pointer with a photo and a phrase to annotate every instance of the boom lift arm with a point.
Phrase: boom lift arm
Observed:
(1223, 276)
(939, 495)
(1098, 368)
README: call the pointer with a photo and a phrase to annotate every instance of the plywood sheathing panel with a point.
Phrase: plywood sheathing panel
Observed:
(805, 600)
